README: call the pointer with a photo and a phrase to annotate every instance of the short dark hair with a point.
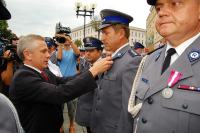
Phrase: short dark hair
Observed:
(117, 27)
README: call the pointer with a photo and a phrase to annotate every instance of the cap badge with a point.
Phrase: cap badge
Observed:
(103, 20)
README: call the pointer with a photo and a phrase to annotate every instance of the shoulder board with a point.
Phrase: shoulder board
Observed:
(155, 49)
(132, 53)
(119, 55)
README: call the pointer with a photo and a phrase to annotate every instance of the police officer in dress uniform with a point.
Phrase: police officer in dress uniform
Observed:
(139, 48)
(93, 49)
(110, 113)
(167, 89)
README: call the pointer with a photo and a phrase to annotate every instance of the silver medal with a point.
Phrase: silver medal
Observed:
(167, 93)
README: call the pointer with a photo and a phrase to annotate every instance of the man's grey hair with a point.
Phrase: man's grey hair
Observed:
(27, 42)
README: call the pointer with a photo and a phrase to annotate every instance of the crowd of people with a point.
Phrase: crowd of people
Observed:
(109, 87)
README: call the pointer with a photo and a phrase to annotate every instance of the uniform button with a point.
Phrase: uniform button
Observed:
(150, 100)
(144, 120)
(184, 106)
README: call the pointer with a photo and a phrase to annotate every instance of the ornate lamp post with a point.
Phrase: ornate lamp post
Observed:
(84, 11)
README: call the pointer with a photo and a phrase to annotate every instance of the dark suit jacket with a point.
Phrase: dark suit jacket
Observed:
(38, 102)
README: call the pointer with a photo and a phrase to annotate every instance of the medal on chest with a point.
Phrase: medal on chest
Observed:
(172, 80)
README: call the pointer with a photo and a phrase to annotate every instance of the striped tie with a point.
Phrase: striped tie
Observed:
(44, 75)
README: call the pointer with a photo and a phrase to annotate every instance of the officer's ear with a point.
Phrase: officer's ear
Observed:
(121, 33)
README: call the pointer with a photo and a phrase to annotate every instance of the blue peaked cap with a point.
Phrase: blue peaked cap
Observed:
(110, 17)
(92, 43)
(50, 42)
(138, 45)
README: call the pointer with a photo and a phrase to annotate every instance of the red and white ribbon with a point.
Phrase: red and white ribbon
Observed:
(174, 78)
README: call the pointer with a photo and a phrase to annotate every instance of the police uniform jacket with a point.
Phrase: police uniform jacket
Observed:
(110, 113)
(9, 120)
(179, 113)
(38, 101)
(85, 102)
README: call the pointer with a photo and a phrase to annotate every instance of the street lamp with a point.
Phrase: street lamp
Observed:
(82, 10)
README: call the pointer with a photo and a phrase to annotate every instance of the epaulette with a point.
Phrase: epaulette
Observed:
(155, 49)
(119, 55)
(132, 53)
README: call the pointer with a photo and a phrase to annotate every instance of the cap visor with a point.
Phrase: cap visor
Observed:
(90, 48)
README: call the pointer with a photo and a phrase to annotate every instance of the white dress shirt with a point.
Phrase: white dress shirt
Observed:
(181, 48)
(113, 54)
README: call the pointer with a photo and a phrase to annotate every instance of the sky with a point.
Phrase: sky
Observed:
(41, 16)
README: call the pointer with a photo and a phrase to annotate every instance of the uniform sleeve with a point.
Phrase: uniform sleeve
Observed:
(128, 76)
(9, 121)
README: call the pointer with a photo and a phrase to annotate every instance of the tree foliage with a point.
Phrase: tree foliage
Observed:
(78, 43)
(95, 22)
(4, 31)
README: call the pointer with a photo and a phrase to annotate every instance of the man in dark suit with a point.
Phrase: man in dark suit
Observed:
(166, 91)
(110, 113)
(38, 94)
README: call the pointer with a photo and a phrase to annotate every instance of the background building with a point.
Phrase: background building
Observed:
(136, 34)
(152, 36)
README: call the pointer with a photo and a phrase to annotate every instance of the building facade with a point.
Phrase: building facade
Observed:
(153, 38)
(136, 34)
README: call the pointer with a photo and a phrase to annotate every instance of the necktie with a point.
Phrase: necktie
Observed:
(167, 60)
(44, 75)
